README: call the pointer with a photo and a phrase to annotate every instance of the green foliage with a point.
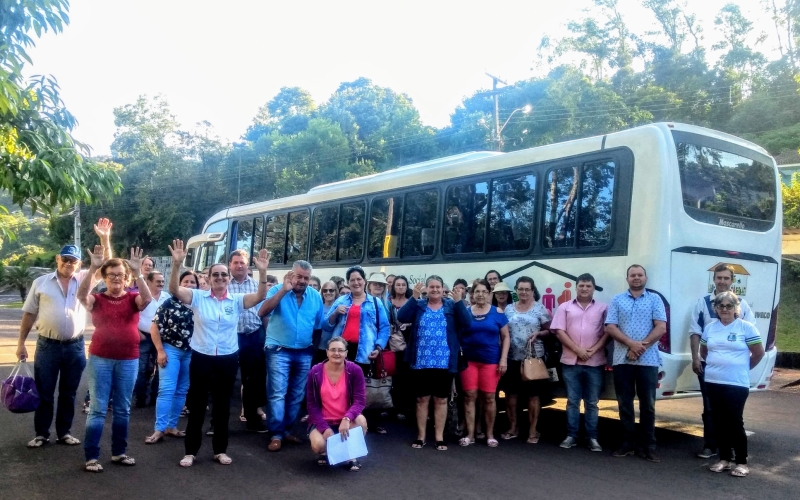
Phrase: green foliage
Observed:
(41, 165)
(18, 277)
(791, 203)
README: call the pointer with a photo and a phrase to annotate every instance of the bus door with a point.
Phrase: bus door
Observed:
(203, 250)
(692, 277)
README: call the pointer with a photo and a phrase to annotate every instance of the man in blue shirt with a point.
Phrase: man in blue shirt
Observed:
(636, 320)
(295, 311)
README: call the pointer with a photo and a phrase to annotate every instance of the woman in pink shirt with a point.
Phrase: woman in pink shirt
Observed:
(335, 396)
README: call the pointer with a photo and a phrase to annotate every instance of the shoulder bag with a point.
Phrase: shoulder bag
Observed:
(379, 388)
(533, 368)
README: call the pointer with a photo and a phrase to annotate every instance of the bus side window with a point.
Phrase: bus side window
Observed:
(323, 246)
(351, 231)
(419, 223)
(465, 218)
(258, 237)
(276, 238)
(244, 235)
(385, 227)
(513, 206)
(561, 207)
(597, 197)
(297, 236)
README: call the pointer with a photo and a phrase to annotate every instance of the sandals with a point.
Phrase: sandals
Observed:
(534, 439)
(720, 466)
(157, 437)
(322, 459)
(187, 461)
(354, 466)
(466, 441)
(176, 434)
(38, 442)
(223, 459)
(417, 444)
(441, 446)
(380, 430)
(123, 460)
(740, 470)
(68, 440)
(93, 466)
(509, 435)
(492, 443)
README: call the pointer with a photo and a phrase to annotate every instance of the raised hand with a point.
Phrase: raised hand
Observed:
(456, 294)
(287, 281)
(262, 261)
(103, 229)
(135, 262)
(97, 256)
(178, 251)
(418, 287)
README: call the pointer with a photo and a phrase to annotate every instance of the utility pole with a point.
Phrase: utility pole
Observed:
(77, 225)
(497, 136)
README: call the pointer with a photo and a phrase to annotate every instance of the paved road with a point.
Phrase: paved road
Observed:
(393, 470)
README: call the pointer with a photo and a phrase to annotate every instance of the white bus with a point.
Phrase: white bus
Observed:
(675, 198)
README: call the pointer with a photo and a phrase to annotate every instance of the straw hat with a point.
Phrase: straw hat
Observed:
(501, 287)
(377, 278)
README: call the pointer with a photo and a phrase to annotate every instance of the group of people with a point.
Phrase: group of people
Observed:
(309, 342)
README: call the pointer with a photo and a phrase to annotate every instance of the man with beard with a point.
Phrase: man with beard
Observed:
(636, 319)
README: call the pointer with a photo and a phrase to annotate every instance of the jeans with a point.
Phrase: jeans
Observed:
(254, 374)
(708, 424)
(147, 361)
(215, 375)
(60, 362)
(106, 375)
(630, 380)
(583, 382)
(286, 387)
(727, 409)
(172, 388)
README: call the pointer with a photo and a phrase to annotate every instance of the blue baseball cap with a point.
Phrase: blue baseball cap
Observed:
(71, 251)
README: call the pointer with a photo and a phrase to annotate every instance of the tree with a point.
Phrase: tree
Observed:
(41, 165)
(791, 203)
(19, 277)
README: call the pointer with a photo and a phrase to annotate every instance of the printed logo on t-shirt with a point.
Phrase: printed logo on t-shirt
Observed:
(228, 310)
(732, 337)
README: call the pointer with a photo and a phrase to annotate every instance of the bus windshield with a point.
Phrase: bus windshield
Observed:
(725, 188)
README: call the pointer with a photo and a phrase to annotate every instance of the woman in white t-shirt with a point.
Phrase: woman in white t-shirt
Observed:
(731, 348)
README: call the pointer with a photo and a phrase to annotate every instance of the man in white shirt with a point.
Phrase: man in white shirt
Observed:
(703, 314)
(147, 351)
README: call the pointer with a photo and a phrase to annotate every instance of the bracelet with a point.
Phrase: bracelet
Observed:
(140, 277)
(346, 418)
(264, 282)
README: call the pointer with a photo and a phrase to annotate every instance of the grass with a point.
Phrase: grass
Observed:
(12, 305)
(788, 335)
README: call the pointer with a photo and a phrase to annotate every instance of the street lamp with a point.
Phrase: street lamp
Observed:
(525, 110)
(239, 146)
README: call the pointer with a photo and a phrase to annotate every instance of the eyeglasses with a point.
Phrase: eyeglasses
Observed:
(67, 260)
(328, 290)
(524, 290)
(725, 307)
(219, 275)
(337, 351)
(115, 276)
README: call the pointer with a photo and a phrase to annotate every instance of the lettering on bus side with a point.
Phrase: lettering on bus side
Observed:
(731, 224)
(762, 315)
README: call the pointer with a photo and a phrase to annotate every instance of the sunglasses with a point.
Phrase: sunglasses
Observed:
(328, 290)
(219, 275)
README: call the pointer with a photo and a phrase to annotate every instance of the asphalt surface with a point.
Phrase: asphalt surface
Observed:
(393, 470)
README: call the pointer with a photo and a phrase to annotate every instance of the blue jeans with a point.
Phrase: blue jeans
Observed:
(106, 375)
(145, 376)
(62, 363)
(583, 382)
(286, 386)
(172, 387)
(639, 381)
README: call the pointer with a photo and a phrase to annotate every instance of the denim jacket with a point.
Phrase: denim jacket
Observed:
(368, 336)
(458, 319)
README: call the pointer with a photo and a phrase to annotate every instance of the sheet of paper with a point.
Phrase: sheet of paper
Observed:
(341, 451)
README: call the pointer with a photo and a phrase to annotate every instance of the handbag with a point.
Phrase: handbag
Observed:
(18, 391)
(388, 361)
(379, 389)
(533, 368)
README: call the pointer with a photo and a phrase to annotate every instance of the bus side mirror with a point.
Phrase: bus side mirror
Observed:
(188, 262)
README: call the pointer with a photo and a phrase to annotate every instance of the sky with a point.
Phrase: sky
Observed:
(221, 61)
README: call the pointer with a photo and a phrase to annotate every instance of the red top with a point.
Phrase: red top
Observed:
(334, 398)
(352, 324)
(116, 326)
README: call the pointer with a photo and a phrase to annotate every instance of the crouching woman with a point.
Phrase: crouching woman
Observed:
(335, 396)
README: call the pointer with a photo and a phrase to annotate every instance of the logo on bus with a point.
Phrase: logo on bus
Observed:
(739, 286)
(762, 315)
(731, 224)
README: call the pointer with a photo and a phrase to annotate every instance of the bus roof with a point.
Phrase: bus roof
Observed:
(460, 165)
